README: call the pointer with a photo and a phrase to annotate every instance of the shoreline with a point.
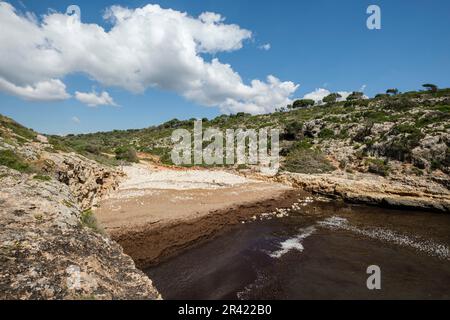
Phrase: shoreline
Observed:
(158, 212)
(153, 225)
(168, 239)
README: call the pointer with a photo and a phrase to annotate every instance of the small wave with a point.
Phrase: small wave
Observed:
(427, 246)
(294, 243)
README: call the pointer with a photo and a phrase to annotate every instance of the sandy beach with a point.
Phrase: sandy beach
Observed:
(158, 211)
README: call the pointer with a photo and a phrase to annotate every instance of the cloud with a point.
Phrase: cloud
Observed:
(51, 90)
(363, 87)
(344, 95)
(317, 95)
(75, 119)
(93, 99)
(265, 47)
(320, 93)
(148, 47)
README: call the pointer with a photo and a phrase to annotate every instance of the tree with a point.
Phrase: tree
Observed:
(393, 91)
(332, 98)
(430, 87)
(381, 96)
(303, 103)
(355, 96)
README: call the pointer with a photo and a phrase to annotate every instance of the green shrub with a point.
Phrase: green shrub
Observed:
(400, 104)
(400, 147)
(307, 161)
(303, 103)
(442, 164)
(292, 131)
(89, 220)
(363, 133)
(127, 153)
(11, 160)
(378, 166)
(92, 148)
(326, 133)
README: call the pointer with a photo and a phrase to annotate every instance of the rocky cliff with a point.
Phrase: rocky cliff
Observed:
(50, 244)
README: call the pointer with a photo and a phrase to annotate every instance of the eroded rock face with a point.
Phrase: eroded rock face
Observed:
(88, 181)
(47, 253)
(402, 192)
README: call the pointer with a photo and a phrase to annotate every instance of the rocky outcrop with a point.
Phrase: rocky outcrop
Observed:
(88, 181)
(46, 252)
(402, 192)
(50, 245)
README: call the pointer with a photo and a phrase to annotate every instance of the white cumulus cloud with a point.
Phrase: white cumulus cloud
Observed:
(148, 47)
(317, 95)
(320, 93)
(47, 90)
(92, 99)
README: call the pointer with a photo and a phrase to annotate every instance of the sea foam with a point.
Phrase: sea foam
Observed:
(424, 245)
(294, 243)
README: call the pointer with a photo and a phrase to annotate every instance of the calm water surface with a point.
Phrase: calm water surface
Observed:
(320, 251)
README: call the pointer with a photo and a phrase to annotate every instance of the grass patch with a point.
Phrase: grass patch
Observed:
(42, 177)
(17, 128)
(89, 220)
(11, 160)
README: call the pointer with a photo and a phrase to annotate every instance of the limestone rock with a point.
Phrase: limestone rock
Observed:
(47, 253)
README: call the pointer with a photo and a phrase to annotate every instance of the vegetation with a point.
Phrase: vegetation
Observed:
(378, 166)
(303, 103)
(332, 98)
(17, 128)
(408, 118)
(310, 161)
(393, 91)
(89, 220)
(355, 96)
(42, 177)
(11, 160)
(127, 154)
(430, 87)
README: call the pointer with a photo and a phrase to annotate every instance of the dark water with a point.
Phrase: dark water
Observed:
(320, 251)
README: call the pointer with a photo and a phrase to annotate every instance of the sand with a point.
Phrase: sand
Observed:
(158, 211)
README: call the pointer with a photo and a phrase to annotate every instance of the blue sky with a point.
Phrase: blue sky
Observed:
(315, 44)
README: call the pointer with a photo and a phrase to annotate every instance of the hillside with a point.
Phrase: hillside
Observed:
(406, 133)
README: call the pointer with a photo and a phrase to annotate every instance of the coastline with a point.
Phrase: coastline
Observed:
(155, 220)
(151, 243)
